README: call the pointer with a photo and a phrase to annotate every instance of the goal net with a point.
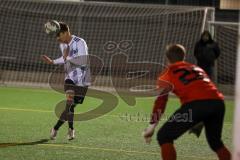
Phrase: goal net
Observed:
(236, 131)
(226, 34)
(126, 41)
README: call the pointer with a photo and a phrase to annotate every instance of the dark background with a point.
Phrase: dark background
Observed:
(149, 30)
(221, 15)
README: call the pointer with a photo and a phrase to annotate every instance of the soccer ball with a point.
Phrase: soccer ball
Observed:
(52, 27)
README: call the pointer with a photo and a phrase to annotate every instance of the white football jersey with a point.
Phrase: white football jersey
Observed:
(76, 64)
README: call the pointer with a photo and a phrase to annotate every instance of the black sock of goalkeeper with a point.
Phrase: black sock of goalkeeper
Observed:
(58, 124)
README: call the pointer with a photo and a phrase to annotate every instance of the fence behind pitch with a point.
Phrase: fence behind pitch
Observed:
(137, 32)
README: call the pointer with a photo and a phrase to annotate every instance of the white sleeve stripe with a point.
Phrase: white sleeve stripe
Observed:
(58, 60)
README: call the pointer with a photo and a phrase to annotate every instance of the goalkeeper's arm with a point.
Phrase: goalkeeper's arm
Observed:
(158, 110)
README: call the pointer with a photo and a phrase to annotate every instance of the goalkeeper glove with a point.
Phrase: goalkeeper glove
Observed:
(197, 129)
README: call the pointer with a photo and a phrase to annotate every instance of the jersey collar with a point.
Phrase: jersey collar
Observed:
(177, 63)
(71, 40)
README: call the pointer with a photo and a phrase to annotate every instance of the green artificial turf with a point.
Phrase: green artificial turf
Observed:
(27, 115)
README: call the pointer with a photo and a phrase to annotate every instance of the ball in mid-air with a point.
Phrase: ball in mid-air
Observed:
(52, 27)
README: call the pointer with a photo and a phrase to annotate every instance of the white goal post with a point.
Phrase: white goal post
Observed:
(226, 35)
(236, 132)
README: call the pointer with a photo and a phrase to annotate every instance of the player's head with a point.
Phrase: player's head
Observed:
(206, 36)
(175, 53)
(64, 34)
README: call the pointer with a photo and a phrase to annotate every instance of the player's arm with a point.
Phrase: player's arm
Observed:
(59, 60)
(50, 61)
(217, 50)
(158, 109)
(47, 59)
(197, 53)
(159, 106)
(157, 112)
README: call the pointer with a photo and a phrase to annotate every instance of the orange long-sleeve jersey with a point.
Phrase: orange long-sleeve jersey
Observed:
(188, 82)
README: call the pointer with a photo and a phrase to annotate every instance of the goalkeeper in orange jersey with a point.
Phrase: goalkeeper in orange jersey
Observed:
(199, 97)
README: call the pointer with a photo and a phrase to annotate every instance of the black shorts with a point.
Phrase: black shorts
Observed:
(210, 112)
(79, 91)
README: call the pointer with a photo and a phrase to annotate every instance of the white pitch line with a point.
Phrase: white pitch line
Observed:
(25, 110)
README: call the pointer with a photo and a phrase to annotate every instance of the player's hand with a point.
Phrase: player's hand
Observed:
(148, 133)
(65, 53)
(197, 129)
(47, 59)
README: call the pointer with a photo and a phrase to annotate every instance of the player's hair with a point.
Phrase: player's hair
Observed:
(175, 53)
(63, 28)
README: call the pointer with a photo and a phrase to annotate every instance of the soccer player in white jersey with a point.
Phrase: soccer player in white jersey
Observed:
(77, 76)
